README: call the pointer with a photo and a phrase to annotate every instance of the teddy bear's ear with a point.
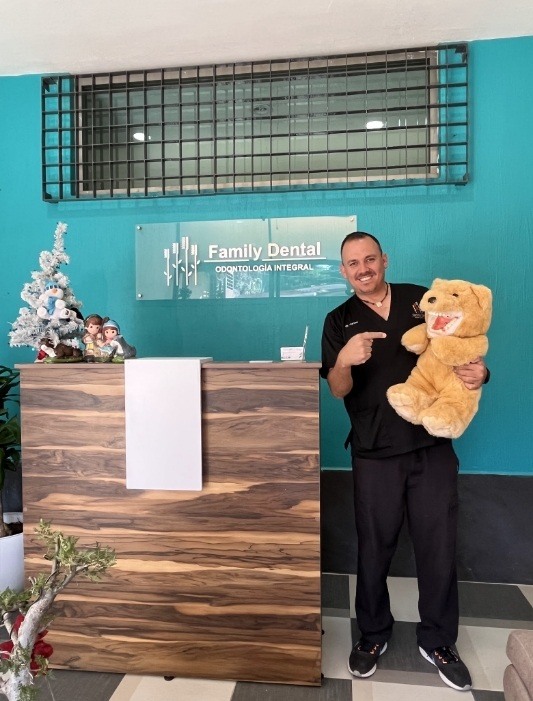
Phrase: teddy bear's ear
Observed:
(436, 281)
(484, 296)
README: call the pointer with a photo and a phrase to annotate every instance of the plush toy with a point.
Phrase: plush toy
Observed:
(458, 316)
(52, 303)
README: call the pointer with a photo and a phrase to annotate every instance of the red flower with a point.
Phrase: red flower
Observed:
(5, 649)
(40, 649)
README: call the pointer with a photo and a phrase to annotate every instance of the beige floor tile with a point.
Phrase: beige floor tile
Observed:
(134, 688)
(126, 688)
(527, 591)
(403, 592)
(352, 583)
(336, 647)
(362, 690)
(403, 595)
(483, 651)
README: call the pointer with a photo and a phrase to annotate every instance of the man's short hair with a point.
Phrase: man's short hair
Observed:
(357, 236)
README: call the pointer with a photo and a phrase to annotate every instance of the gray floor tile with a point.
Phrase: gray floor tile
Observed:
(502, 601)
(402, 652)
(338, 613)
(487, 695)
(80, 686)
(335, 591)
(331, 690)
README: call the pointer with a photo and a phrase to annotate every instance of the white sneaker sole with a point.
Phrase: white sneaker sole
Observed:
(370, 672)
(441, 675)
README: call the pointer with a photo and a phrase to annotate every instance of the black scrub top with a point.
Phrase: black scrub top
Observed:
(377, 430)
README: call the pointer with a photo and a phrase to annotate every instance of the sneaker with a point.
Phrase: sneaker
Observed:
(363, 658)
(452, 669)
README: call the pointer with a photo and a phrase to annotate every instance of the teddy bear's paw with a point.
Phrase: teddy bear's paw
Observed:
(404, 402)
(417, 348)
(443, 426)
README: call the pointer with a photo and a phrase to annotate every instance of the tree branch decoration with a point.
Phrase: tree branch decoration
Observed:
(25, 615)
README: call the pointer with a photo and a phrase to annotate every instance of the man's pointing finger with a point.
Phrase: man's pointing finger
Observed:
(374, 334)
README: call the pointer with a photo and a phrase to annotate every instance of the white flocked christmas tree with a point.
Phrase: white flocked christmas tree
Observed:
(52, 311)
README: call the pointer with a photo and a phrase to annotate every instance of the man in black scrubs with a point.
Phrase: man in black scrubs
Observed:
(398, 467)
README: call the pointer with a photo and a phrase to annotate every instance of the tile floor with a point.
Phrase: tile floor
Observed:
(489, 613)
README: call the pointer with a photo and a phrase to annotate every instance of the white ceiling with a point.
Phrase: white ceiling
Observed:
(83, 36)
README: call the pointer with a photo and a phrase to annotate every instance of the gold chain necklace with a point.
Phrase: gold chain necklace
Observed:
(380, 303)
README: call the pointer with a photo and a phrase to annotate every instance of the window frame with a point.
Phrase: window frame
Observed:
(429, 59)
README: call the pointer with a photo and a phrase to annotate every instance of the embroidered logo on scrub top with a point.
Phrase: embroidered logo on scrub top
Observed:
(417, 312)
(352, 323)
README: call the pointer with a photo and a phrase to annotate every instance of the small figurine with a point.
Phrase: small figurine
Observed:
(65, 351)
(114, 344)
(61, 352)
(92, 338)
(46, 350)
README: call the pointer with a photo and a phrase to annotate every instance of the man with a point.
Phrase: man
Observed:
(398, 467)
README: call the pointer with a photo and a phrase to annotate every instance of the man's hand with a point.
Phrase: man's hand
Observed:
(356, 352)
(358, 349)
(473, 374)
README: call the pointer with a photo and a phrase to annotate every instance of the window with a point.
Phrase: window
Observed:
(347, 121)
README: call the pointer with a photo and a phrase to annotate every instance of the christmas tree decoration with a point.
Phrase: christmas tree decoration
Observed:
(51, 323)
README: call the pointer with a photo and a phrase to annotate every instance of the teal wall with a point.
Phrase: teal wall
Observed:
(480, 232)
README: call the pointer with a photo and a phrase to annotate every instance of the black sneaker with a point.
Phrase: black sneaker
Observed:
(363, 658)
(452, 669)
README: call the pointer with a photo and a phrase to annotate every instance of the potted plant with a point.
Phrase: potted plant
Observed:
(11, 548)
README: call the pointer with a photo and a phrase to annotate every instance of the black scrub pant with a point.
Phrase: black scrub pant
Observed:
(422, 485)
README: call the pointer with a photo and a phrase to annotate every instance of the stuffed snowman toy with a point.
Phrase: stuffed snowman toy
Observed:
(52, 303)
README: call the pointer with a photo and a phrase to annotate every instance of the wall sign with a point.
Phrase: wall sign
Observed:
(241, 259)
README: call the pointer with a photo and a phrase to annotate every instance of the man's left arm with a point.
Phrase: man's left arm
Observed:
(473, 374)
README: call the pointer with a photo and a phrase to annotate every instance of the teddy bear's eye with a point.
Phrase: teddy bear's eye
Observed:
(454, 294)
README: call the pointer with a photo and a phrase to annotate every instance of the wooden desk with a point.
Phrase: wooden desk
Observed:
(220, 584)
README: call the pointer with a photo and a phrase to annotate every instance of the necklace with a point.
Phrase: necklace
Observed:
(380, 303)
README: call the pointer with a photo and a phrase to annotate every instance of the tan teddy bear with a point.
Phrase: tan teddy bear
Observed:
(458, 316)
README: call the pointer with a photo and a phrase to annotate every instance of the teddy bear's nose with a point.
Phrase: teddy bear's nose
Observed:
(432, 300)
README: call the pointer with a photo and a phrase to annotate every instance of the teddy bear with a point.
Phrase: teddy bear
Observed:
(457, 318)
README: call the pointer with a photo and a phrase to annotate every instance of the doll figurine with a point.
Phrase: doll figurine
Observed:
(92, 338)
(114, 344)
(109, 345)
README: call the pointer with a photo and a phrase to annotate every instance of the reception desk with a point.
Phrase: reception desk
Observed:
(222, 583)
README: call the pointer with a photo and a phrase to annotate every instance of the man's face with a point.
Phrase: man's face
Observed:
(363, 266)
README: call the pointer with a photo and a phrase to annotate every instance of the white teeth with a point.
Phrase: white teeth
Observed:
(453, 320)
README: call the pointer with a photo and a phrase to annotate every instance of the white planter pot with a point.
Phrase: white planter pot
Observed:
(12, 557)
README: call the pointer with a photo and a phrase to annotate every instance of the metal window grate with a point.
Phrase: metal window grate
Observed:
(376, 119)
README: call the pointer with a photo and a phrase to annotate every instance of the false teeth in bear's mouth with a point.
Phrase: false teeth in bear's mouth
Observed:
(443, 323)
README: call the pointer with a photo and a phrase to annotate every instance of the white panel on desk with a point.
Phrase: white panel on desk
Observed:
(163, 423)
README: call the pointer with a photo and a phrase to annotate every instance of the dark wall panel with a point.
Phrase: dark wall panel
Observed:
(495, 539)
